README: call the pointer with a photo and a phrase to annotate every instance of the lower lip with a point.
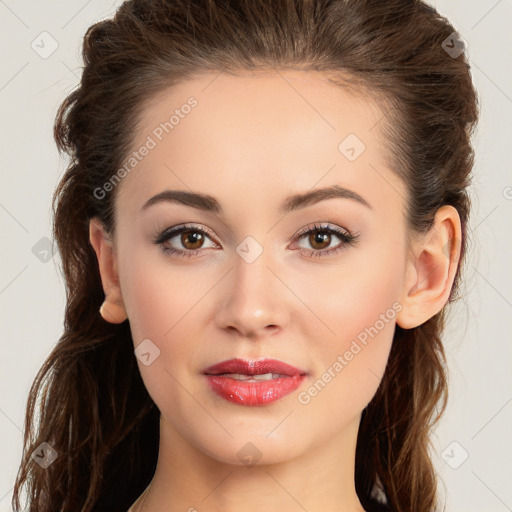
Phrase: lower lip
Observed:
(253, 393)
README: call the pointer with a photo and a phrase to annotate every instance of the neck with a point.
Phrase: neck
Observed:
(188, 479)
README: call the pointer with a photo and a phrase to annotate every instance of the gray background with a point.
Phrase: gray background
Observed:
(478, 421)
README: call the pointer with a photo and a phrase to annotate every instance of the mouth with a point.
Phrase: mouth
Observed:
(253, 383)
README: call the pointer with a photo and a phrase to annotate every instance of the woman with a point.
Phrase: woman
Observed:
(261, 225)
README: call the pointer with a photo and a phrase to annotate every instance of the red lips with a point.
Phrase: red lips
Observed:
(226, 380)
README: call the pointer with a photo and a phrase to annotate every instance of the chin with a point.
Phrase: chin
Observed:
(251, 445)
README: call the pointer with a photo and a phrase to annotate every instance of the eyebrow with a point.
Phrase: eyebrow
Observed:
(208, 203)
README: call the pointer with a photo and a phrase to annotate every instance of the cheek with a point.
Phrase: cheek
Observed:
(159, 295)
(351, 363)
(359, 305)
(164, 303)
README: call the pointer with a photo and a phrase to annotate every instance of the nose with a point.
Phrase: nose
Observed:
(254, 301)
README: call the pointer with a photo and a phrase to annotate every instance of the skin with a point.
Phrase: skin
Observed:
(251, 142)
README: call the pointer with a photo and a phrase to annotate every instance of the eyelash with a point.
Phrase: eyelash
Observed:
(347, 239)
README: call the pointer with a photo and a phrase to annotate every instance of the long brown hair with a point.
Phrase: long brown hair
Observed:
(95, 411)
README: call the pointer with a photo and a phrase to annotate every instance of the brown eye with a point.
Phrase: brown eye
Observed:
(192, 239)
(319, 239)
(185, 241)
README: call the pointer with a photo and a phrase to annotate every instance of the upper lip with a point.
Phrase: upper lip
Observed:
(253, 367)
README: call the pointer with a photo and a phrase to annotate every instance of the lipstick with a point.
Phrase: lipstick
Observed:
(253, 383)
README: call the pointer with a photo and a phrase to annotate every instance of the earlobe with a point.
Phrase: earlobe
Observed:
(112, 309)
(431, 269)
(113, 312)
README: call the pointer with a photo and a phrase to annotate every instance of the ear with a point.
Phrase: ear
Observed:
(431, 269)
(112, 310)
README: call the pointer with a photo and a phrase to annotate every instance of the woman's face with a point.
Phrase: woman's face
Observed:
(262, 274)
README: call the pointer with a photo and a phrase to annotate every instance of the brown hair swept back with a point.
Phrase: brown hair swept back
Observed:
(94, 409)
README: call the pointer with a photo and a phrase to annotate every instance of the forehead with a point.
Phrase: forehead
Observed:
(264, 132)
(260, 103)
